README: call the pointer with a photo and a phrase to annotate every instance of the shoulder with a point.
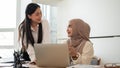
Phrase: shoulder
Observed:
(88, 45)
(44, 21)
(88, 48)
(45, 24)
(20, 27)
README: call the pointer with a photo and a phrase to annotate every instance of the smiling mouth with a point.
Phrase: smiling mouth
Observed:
(39, 19)
(68, 32)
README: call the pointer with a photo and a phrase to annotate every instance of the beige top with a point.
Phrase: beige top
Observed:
(79, 40)
(87, 54)
(46, 38)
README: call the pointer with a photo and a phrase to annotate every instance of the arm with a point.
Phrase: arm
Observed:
(31, 53)
(29, 49)
(86, 56)
(46, 31)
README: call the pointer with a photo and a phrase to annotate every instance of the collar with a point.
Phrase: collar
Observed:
(33, 28)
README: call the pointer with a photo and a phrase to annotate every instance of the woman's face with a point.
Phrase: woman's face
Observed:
(36, 16)
(69, 30)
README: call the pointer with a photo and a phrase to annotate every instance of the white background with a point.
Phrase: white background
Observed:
(104, 18)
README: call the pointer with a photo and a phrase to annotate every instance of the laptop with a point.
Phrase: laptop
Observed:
(52, 55)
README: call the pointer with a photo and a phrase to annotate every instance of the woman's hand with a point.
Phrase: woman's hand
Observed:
(33, 62)
(23, 48)
(72, 50)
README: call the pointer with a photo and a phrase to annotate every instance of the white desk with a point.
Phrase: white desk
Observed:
(34, 66)
(86, 66)
(74, 66)
(9, 65)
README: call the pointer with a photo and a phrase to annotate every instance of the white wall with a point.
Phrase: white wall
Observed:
(101, 14)
(104, 19)
(107, 49)
(24, 4)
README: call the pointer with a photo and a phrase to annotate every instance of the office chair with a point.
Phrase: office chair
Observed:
(95, 60)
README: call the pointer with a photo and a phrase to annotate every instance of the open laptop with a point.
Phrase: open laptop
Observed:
(52, 55)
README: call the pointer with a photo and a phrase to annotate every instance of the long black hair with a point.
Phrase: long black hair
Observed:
(25, 26)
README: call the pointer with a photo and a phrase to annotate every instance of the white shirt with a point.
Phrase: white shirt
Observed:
(45, 39)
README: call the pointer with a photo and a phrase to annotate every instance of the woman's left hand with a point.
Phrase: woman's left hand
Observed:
(72, 50)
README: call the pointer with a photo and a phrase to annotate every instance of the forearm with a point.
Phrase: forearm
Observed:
(31, 52)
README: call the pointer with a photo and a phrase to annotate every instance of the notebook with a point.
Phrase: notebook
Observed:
(52, 55)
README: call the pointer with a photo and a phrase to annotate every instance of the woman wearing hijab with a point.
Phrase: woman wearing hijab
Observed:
(80, 47)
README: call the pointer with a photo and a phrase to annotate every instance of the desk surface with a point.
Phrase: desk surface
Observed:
(10, 65)
(34, 66)
(74, 66)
